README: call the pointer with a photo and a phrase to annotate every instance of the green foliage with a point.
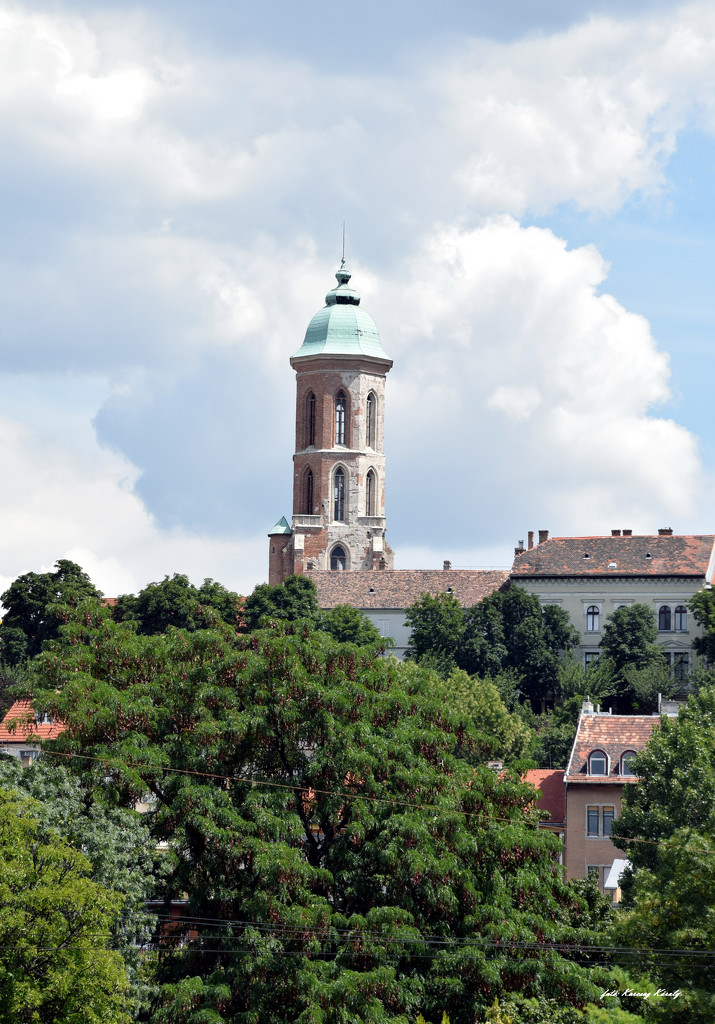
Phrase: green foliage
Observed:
(507, 632)
(295, 598)
(437, 631)
(554, 734)
(342, 862)
(31, 617)
(671, 894)
(116, 842)
(54, 926)
(349, 626)
(702, 605)
(629, 638)
(493, 731)
(175, 601)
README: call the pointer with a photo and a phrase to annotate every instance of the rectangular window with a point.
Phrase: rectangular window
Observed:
(607, 818)
(590, 658)
(599, 819)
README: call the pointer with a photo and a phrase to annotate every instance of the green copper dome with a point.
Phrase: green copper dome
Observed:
(341, 327)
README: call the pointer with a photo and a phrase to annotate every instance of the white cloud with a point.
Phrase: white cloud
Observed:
(512, 370)
(188, 196)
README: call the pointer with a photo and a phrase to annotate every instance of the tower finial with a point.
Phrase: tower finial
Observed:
(342, 262)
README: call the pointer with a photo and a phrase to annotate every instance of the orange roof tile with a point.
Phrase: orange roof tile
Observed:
(22, 709)
(399, 588)
(614, 734)
(553, 794)
(647, 555)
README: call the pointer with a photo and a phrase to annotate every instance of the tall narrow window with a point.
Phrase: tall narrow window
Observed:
(337, 559)
(607, 818)
(339, 495)
(310, 419)
(681, 617)
(664, 618)
(308, 492)
(370, 489)
(592, 821)
(593, 615)
(340, 406)
(370, 435)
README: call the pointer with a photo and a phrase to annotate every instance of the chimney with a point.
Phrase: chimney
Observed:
(666, 532)
(628, 533)
(543, 535)
(446, 564)
(519, 548)
(615, 533)
(531, 539)
(587, 707)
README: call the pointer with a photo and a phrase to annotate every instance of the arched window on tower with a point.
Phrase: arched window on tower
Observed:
(308, 492)
(340, 411)
(370, 410)
(370, 493)
(339, 495)
(337, 559)
(310, 419)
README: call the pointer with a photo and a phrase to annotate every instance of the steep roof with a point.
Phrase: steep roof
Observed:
(553, 794)
(22, 709)
(614, 734)
(643, 555)
(399, 588)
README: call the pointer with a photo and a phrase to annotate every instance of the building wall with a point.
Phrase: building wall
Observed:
(583, 851)
(576, 595)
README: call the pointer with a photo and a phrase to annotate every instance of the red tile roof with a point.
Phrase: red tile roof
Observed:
(553, 793)
(399, 588)
(22, 709)
(633, 556)
(614, 734)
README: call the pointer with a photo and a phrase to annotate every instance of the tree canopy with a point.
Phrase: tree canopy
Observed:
(671, 812)
(175, 601)
(507, 631)
(30, 608)
(55, 921)
(116, 842)
(702, 606)
(340, 861)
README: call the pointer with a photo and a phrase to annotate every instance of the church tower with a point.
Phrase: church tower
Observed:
(339, 462)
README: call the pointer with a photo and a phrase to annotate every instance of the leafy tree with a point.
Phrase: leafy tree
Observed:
(672, 891)
(702, 605)
(509, 630)
(348, 625)
(554, 734)
(54, 924)
(341, 862)
(629, 639)
(437, 631)
(494, 732)
(116, 842)
(295, 598)
(175, 601)
(506, 632)
(30, 615)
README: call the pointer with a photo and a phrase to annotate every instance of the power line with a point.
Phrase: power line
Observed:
(309, 789)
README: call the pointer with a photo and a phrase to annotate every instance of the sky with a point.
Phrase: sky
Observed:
(530, 220)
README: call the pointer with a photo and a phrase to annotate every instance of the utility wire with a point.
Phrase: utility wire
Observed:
(309, 789)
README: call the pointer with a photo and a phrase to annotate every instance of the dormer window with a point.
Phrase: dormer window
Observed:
(597, 763)
(626, 764)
